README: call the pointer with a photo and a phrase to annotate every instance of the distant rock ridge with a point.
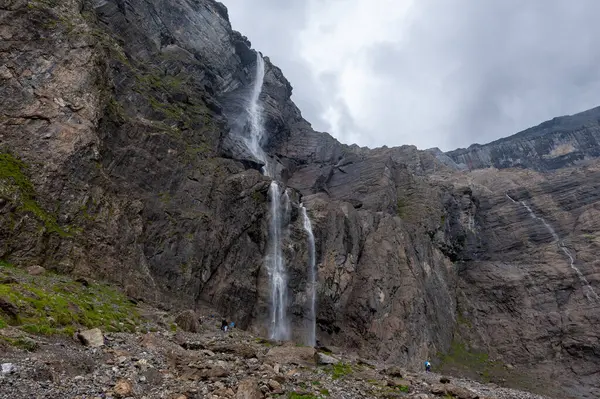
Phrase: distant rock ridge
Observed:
(557, 143)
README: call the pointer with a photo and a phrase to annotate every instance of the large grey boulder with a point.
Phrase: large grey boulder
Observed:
(92, 338)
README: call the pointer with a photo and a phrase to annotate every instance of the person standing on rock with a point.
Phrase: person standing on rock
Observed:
(224, 325)
(427, 366)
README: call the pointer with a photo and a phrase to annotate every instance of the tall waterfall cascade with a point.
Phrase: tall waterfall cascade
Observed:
(279, 327)
(590, 293)
(312, 277)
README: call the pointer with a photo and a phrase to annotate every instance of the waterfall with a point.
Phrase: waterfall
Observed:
(589, 291)
(279, 212)
(279, 216)
(312, 278)
(276, 268)
(254, 109)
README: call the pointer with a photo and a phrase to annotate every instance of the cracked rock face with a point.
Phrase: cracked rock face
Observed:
(119, 161)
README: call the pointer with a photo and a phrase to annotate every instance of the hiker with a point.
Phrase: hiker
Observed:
(224, 325)
(427, 366)
(231, 325)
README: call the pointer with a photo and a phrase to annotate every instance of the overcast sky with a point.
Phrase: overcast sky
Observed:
(433, 73)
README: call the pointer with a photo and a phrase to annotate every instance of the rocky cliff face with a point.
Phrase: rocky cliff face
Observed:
(560, 142)
(529, 295)
(121, 159)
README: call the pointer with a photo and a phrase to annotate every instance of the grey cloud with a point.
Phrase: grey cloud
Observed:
(272, 26)
(467, 71)
(502, 66)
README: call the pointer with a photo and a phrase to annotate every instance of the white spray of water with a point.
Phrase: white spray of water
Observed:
(589, 291)
(255, 117)
(311, 339)
(276, 267)
(287, 207)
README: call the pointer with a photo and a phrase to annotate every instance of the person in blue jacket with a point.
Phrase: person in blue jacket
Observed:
(427, 366)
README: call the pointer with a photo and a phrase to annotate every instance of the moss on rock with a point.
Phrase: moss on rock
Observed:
(15, 184)
(52, 304)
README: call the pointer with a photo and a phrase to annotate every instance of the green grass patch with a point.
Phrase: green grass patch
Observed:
(294, 395)
(401, 207)
(340, 370)
(13, 179)
(265, 342)
(21, 343)
(54, 304)
(463, 360)
(460, 319)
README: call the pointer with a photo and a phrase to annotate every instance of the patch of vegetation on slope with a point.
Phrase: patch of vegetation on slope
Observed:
(16, 186)
(463, 361)
(461, 358)
(55, 304)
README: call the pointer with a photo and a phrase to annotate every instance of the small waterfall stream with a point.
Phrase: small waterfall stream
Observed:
(588, 289)
(312, 277)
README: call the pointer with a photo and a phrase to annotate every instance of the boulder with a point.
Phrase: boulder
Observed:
(8, 280)
(248, 389)
(461, 393)
(188, 321)
(8, 368)
(275, 387)
(83, 281)
(395, 371)
(123, 389)
(92, 338)
(36, 270)
(8, 308)
(438, 389)
(326, 359)
(300, 355)
(454, 391)
(224, 392)
(242, 350)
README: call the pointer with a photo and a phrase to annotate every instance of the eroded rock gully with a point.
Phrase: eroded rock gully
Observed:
(119, 162)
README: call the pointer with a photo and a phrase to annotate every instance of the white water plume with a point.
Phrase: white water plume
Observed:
(311, 338)
(588, 289)
(255, 118)
(279, 328)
